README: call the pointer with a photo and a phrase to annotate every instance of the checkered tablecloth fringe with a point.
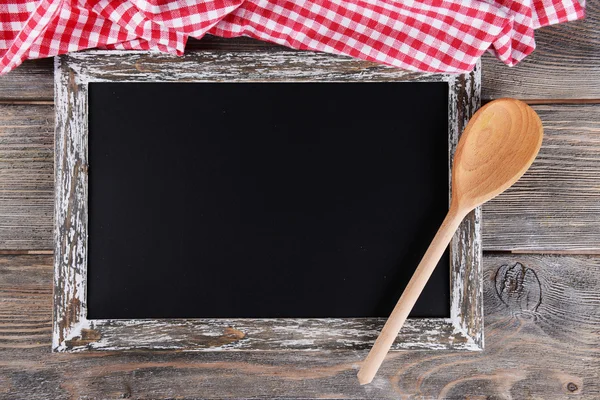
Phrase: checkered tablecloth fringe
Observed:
(431, 36)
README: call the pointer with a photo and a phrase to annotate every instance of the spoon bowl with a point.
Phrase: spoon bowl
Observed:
(498, 145)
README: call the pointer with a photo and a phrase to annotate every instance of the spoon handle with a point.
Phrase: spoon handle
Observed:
(410, 295)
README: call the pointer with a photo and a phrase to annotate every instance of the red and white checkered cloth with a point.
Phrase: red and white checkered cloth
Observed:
(418, 35)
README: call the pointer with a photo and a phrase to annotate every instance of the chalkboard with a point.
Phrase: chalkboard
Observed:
(264, 200)
(250, 201)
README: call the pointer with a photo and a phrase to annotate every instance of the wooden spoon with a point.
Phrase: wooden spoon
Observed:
(496, 148)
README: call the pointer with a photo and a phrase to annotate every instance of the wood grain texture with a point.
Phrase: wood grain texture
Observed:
(74, 332)
(26, 176)
(565, 64)
(241, 43)
(542, 341)
(31, 81)
(25, 308)
(556, 204)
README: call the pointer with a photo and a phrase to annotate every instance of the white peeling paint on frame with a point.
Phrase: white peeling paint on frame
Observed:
(72, 331)
(466, 260)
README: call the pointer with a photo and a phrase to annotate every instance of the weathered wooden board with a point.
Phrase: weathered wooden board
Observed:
(556, 205)
(565, 64)
(32, 81)
(26, 176)
(542, 323)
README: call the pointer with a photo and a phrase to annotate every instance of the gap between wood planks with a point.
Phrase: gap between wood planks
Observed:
(25, 252)
(576, 252)
(26, 102)
(591, 252)
(534, 102)
(483, 101)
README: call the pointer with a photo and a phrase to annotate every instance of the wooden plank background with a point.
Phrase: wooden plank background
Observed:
(541, 265)
(541, 330)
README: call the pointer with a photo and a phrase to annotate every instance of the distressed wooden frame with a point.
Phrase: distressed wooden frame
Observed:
(72, 331)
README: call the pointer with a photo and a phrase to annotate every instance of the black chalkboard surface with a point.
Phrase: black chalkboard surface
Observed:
(264, 200)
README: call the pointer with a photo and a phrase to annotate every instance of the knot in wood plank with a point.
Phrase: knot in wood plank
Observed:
(519, 288)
